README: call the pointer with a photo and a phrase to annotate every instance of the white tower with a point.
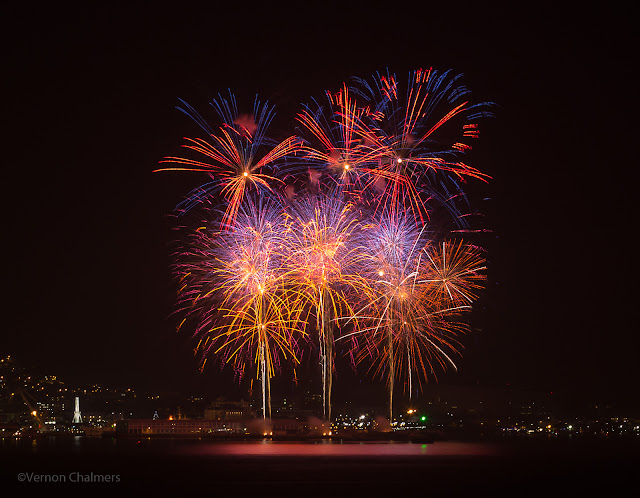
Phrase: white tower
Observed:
(77, 418)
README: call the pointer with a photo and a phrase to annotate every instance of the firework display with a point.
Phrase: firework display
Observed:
(334, 238)
(238, 155)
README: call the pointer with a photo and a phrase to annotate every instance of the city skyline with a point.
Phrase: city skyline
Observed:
(458, 412)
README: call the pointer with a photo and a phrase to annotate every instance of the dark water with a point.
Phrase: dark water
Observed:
(90, 467)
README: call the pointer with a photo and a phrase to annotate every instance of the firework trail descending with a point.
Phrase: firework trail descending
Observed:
(236, 156)
(397, 250)
(393, 259)
(361, 254)
(325, 263)
(233, 283)
(417, 293)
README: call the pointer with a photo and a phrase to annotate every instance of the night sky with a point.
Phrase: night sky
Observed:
(89, 110)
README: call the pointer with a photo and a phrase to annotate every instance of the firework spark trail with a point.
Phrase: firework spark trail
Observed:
(400, 128)
(454, 270)
(236, 156)
(234, 287)
(335, 147)
(324, 262)
(396, 245)
(409, 323)
(263, 327)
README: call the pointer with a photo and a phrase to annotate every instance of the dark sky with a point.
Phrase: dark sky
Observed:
(89, 110)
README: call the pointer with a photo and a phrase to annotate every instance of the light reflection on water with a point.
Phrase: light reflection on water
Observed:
(335, 448)
(83, 446)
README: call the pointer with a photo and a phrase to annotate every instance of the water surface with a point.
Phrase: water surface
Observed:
(322, 468)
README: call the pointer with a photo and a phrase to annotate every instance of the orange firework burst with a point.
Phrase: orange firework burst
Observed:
(325, 263)
(407, 324)
(336, 143)
(453, 270)
(238, 155)
(401, 127)
(234, 284)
